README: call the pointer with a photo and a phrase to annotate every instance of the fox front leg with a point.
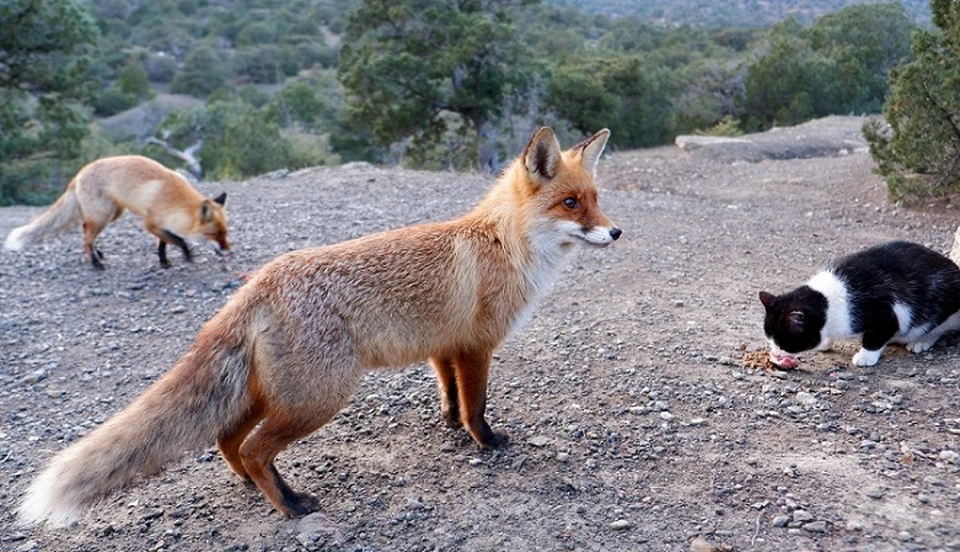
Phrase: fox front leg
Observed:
(168, 236)
(471, 370)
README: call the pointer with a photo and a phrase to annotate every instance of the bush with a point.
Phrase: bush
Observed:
(113, 101)
(160, 68)
(919, 154)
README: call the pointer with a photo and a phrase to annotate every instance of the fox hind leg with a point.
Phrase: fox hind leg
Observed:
(447, 384)
(229, 441)
(261, 447)
(91, 229)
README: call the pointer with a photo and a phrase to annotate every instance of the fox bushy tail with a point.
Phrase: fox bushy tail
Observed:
(65, 212)
(183, 410)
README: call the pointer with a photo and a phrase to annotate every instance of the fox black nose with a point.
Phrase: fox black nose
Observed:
(615, 233)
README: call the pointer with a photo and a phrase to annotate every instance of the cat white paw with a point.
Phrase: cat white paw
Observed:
(919, 346)
(866, 358)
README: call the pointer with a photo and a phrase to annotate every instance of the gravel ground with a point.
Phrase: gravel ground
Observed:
(634, 422)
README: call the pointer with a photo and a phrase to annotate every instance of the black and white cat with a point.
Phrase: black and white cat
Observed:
(897, 292)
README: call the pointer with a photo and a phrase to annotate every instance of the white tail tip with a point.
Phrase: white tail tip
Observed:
(15, 241)
(45, 502)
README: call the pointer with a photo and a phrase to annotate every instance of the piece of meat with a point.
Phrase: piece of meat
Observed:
(784, 360)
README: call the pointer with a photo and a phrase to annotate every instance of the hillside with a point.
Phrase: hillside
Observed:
(635, 424)
(728, 13)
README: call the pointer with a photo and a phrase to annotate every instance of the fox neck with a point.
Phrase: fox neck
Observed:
(537, 251)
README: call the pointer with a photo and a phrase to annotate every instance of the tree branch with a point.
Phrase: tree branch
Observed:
(188, 156)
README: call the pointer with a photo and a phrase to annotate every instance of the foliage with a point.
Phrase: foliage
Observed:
(113, 100)
(133, 79)
(725, 127)
(727, 13)
(624, 93)
(44, 82)
(839, 65)
(408, 65)
(239, 140)
(202, 73)
(919, 154)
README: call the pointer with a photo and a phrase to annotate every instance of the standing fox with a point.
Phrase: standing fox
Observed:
(291, 346)
(170, 207)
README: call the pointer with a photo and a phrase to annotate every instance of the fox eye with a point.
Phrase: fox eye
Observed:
(571, 203)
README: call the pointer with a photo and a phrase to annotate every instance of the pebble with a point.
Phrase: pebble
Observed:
(620, 525)
(816, 527)
(806, 399)
(539, 441)
(701, 544)
(854, 525)
(948, 456)
(875, 493)
(781, 521)
(35, 377)
(802, 516)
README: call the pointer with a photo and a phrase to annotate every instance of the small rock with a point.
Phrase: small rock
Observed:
(620, 525)
(875, 493)
(802, 516)
(854, 525)
(948, 456)
(539, 441)
(701, 544)
(806, 399)
(29, 546)
(816, 527)
(35, 377)
(781, 521)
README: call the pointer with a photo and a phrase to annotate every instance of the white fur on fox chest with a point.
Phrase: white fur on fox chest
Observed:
(549, 255)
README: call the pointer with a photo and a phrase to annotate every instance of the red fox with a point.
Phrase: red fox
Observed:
(170, 207)
(288, 350)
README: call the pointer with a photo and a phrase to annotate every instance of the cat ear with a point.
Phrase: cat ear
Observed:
(796, 319)
(766, 299)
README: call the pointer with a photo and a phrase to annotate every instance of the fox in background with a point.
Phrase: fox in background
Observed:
(288, 350)
(171, 209)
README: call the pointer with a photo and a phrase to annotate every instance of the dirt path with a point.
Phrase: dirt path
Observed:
(634, 424)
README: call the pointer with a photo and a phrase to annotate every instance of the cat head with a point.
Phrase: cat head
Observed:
(794, 321)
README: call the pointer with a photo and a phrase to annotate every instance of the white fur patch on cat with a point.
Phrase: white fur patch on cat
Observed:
(838, 322)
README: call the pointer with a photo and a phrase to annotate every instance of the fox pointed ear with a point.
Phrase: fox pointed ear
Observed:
(591, 149)
(766, 299)
(221, 199)
(206, 211)
(542, 155)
